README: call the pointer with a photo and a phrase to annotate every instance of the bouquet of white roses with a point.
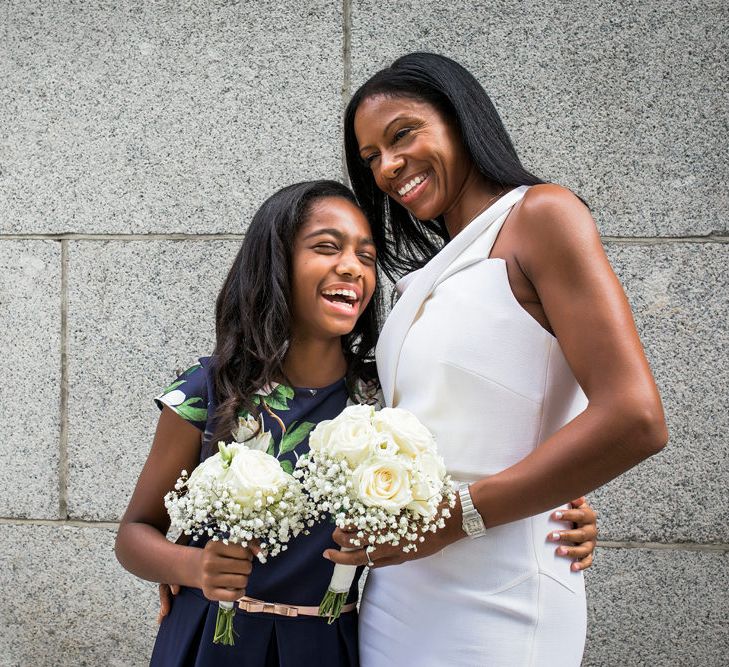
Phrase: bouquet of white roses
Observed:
(379, 473)
(238, 495)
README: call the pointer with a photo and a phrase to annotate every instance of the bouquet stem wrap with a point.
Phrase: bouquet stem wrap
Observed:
(336, 595)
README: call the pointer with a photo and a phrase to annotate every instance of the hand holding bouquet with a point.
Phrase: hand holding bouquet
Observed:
(377, 473)
(239, 495)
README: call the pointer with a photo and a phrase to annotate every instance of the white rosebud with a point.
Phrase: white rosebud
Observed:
(250, 432)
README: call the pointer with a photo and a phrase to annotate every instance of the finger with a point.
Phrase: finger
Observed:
(581, 516)
(229, 550)
(254, 548)
(227, 581)
(577, 502)
(575, 553)
(582, 564)
(218, 565)
(164, 602)
(576, 535)
(174, 589)
(357, 557)
(347, 539)
(223, 594)
(164, 599)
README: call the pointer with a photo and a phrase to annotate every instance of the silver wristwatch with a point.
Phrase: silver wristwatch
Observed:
(473, 524)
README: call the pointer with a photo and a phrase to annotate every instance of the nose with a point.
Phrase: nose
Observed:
(349, 265)
(391, 164)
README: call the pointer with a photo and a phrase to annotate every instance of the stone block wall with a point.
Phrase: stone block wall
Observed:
(136, 140)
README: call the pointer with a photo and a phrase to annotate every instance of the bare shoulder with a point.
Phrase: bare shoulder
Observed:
(554, 223)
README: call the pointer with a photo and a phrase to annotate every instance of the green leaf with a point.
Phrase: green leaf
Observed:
(271, 451)
(187, 411)
(294, 436)
(192, 369)
(173, 386)
(287, 466)
(279, 398)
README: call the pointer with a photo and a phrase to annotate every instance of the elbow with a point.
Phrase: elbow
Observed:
(648, 430)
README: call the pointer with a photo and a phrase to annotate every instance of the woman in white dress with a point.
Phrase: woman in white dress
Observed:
(515, 345)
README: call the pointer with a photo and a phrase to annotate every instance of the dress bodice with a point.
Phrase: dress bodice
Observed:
(484, 376)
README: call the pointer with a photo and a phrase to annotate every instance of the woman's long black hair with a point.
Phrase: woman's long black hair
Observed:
(253, 309)
(405, 243)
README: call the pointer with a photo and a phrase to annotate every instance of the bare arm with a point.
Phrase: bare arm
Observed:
(561, 254)
(141, 546)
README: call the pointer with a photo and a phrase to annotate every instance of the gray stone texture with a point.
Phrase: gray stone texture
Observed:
(625, 102)
(133, 117)
(657, 608)
(68, 603)
(139, 312)
(30, 348)
(680, 297)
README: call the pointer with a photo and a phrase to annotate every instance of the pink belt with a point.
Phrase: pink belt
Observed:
(259, 607)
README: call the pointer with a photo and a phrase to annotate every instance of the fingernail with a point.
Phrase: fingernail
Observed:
(554, 536)
(562, 551)
(575, 567)
(326, 555)
(558, 515)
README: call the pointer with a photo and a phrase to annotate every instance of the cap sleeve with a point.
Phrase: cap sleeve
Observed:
(188, 396)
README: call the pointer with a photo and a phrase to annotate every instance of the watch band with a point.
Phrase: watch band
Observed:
(473, 524)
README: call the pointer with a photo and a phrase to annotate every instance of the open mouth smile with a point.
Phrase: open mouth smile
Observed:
(413, 187)
(343, 300)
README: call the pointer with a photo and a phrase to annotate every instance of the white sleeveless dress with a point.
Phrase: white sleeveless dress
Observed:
(491, 384)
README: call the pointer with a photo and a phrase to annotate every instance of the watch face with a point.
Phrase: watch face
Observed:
(473, 525)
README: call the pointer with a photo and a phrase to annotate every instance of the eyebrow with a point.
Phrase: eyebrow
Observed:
(336, 233)
(387, 127)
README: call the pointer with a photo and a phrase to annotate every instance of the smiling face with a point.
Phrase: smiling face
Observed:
(333, 269)
(416, 155)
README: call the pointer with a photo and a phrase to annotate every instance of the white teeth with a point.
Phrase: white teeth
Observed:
(350, 294)
(410, 185)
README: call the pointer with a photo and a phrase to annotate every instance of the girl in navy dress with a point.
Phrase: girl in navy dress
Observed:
(296, 323)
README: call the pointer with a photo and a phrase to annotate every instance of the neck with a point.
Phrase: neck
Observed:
(477, 194)
(314, 362)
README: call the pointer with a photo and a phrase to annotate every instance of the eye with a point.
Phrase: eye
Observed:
(367, 257)
(400, 134)
(327, 248)
(368, 159)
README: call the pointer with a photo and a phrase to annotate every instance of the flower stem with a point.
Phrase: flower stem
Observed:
(224, 631)
(332, 604)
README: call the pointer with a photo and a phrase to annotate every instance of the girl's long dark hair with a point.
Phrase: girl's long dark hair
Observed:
(405, 243)
(253, 309)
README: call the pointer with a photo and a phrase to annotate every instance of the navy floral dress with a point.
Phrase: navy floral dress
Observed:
(298, 576)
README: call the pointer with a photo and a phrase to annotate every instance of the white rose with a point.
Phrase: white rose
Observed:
(405, 429)
(350, 436)
(352, 440)
(251, 471)
(383, 482)
(320, 438)
(245, 434)
(211, 469)
(428, 482)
